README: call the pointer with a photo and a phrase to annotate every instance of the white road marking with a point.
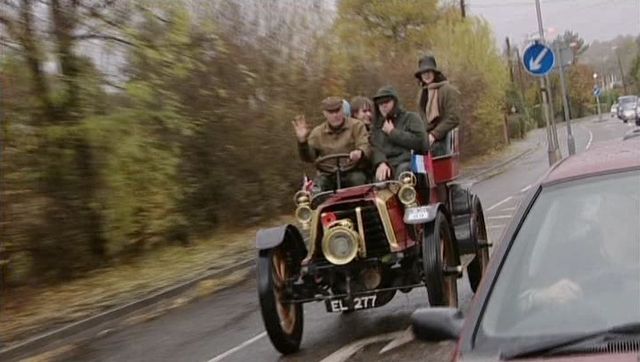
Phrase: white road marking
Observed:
(525, 189)
(237, 348)
(590, 137)
(403, 339)
(496, 226)
(500, 203)
(498, 217)
(349, 350)
(509, 209)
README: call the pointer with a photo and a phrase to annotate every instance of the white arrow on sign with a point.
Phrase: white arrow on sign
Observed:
(536, 64)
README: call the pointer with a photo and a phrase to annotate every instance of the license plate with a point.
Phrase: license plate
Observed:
(420, 214)
(341, 305)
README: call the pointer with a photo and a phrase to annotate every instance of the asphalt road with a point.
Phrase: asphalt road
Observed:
(227, 326)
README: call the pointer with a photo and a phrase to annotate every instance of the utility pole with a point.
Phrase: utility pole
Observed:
(463, 10)
(553, 151)
(624, 85)
(508, 44)
(520, 76)
(571, 144)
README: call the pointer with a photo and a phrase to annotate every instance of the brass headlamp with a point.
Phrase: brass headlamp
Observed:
(340, 242)
(303, 213)
(407, 193)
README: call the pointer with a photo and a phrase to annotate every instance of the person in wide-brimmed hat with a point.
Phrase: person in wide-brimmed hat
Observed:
(438, 104)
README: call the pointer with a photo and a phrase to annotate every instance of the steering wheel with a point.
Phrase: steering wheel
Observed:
(335, 162)
(583, 314)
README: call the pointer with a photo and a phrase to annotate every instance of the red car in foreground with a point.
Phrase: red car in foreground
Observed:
(564, 282)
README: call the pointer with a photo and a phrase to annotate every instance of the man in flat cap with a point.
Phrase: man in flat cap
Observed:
(338, 134)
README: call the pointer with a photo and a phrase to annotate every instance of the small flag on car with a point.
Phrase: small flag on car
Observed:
(418, 164)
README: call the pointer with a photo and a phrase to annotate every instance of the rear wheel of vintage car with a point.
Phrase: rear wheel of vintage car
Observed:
(283, 321)
(437, 254)
(478, 265)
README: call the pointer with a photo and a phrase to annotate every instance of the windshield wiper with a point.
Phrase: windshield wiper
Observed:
(547, 346)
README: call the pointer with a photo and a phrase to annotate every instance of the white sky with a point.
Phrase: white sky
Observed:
(591, 19)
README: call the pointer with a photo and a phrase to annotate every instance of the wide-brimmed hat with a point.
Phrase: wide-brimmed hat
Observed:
(425, 64)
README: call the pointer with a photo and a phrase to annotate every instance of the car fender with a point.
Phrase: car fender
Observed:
(460, 198)
(272, 237)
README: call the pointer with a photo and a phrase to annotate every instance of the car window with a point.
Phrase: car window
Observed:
(624, 100)
(574, 264)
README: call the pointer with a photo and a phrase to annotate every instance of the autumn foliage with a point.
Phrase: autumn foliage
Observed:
(188, 127)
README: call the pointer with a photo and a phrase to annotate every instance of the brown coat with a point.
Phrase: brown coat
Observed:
(323, 140)
(448, 109)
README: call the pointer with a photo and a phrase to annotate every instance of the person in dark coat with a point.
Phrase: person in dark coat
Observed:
(438, 104)
(395, 134)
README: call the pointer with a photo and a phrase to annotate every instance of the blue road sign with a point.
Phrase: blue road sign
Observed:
(597, 91)
(538, 59)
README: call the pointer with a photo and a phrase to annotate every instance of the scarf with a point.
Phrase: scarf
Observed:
(432, 111)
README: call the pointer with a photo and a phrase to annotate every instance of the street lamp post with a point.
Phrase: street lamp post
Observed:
(553, 151)
(595, 87)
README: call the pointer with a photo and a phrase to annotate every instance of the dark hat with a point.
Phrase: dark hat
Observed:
(331, 103)
(385, 93)
(425, 64)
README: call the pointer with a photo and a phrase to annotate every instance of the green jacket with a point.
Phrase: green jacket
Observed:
(409, 133)
(449, 109)
(324, 140)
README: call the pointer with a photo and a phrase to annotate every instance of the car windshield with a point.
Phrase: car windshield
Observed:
(628, 105)
(573, 267)
(626, 100)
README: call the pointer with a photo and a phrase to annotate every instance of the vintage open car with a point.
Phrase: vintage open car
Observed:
(356, 247)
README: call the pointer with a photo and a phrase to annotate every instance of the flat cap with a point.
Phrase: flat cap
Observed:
(331, 103)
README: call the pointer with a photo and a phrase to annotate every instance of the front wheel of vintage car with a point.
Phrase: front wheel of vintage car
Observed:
(283, 321)
(437, 255)
(478, 265)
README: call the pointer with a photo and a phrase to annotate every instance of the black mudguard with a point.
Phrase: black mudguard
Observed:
(275, 236)
(460, 197)
(463, 225)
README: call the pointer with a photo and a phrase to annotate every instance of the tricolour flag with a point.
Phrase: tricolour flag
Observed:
(418, 164)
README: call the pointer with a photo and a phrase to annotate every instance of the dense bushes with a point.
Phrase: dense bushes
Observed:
(196, 133)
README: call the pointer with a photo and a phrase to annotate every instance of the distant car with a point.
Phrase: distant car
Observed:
(614, 110)
(564, 282)
(627, 108)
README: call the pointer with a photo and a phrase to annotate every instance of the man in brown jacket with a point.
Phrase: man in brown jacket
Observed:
(439, 104)
(337, 134)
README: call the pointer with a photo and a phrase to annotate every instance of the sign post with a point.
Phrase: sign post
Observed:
(552, 136)
(597, 91)
(538, 60)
